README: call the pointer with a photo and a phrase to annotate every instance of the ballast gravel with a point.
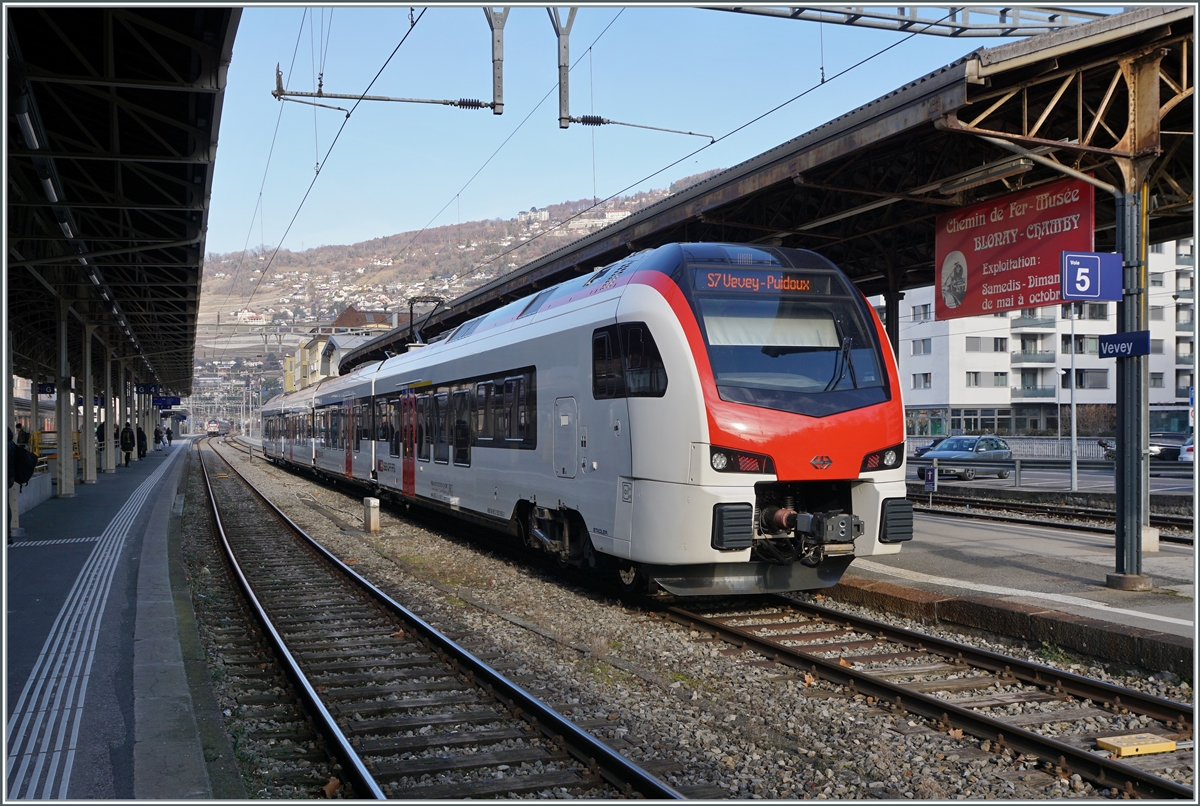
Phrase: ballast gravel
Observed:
(704, 721)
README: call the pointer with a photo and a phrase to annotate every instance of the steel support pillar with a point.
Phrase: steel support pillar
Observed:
(110, 447)
(563, 32)
(66, 458)
(14, 514)
(1141, 142)
(87, 429)
(35, 415)
(891, 315)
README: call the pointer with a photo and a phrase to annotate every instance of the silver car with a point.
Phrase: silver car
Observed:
(956, 454)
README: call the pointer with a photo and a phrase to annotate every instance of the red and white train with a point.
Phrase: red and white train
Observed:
(701, 418)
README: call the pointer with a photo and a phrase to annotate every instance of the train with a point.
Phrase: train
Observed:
(214, 428)
(699, 419)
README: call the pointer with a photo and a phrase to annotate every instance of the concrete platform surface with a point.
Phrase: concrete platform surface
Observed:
(98, 702)
(1031, 582)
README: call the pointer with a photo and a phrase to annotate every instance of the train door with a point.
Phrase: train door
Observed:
(349, 434)
(408, 408)
(566, 437)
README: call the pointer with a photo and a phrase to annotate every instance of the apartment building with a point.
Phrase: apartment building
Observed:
(1010, 373)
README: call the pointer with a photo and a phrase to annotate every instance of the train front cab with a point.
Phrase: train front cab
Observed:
(785, 393)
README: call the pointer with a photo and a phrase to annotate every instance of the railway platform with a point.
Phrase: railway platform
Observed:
(98, 697)
(1040, 583)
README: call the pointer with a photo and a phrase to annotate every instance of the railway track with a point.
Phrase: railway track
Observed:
(991, 509)
(405, 711)
(958, 687)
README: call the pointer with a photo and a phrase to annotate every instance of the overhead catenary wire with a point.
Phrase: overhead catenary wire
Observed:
(707, 146)
(499, 148)
(338, 135)
(258, 208)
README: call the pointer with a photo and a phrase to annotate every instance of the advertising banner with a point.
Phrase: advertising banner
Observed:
(1006, 254)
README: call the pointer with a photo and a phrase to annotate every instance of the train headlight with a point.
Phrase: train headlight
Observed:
(886, 459)
(726, 460)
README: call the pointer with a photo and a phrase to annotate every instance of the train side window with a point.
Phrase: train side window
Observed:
(441, 439)
(359, 427)
(529, 409)
(645, 373)
(461, 418)
(393, 415)
(607, 380)
(512, 413)
(483, 411)
(423, 435)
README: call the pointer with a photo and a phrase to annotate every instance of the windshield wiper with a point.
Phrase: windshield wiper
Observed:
(844, 363)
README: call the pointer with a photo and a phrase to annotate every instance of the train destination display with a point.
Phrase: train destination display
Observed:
(1005, 254)
(764, 281)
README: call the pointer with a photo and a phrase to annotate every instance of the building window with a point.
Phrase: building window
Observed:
(1156, 380)
(1087, 379)
(1000, 345)
(1183, 315)
(1156, 313)
(1183, 281)
(1156, 277)
(1183, 381)
(1097, 310)
(1077, 307)
(972, 379)
(973, 344)
(881, 312)
(920, 313)
(1156, 346)
(999, 379)
(1183, 349)
(1158, 249)
(922, 346)
(921, 380)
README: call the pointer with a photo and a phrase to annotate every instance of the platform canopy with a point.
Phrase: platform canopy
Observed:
(864, 189)
(113, 116)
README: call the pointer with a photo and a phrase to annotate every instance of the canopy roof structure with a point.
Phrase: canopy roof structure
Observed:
(864, 190)
(113, 116)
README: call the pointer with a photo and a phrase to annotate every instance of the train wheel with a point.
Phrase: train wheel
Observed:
(632, 579)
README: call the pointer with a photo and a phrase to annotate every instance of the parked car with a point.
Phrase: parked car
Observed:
(957, 454)
(931, 446)
(1188, 452)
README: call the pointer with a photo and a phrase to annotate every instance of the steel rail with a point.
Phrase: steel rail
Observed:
(585, 748)
(364, 783)
(1102, 771)
(1162, 709)
(1168, 521)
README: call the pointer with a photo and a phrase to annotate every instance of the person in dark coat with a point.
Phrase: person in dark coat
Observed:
(170, 436)
(158, 438)
(127, 442)
(141, 443)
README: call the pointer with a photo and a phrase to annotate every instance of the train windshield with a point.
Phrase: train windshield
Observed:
(796, 340)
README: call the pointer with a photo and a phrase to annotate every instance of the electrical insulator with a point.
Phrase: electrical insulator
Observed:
(470, 103)
(591, 120)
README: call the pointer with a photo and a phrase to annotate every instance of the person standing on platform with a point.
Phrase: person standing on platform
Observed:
(141, 443)
(170, 436)
(127, 442)
(158, 438)
(22, 436)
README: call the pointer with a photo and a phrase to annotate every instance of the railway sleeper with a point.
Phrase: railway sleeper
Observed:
(386, 706)
(520, 785)
(367, 692)
(394, 724)
(415, 744)
(432, 765)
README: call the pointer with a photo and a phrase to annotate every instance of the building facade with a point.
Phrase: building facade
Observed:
(1010, 373)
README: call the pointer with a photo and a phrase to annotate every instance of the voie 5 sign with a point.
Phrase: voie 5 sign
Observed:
(1005, 254)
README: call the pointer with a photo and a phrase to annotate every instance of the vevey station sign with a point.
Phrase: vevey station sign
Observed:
(1005, 254)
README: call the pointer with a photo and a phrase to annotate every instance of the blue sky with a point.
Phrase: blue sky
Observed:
(396, 165)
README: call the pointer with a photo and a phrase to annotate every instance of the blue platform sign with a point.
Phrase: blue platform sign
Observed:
(45, 388)
(1123, 345)
(147, 388)
(1091, 275)
(165, 402)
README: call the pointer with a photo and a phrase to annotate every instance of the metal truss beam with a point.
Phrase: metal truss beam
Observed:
(953, 21)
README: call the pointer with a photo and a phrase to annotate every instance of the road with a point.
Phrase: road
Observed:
(1168, 481)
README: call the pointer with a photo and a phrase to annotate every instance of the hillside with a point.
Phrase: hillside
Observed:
(381, 274)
